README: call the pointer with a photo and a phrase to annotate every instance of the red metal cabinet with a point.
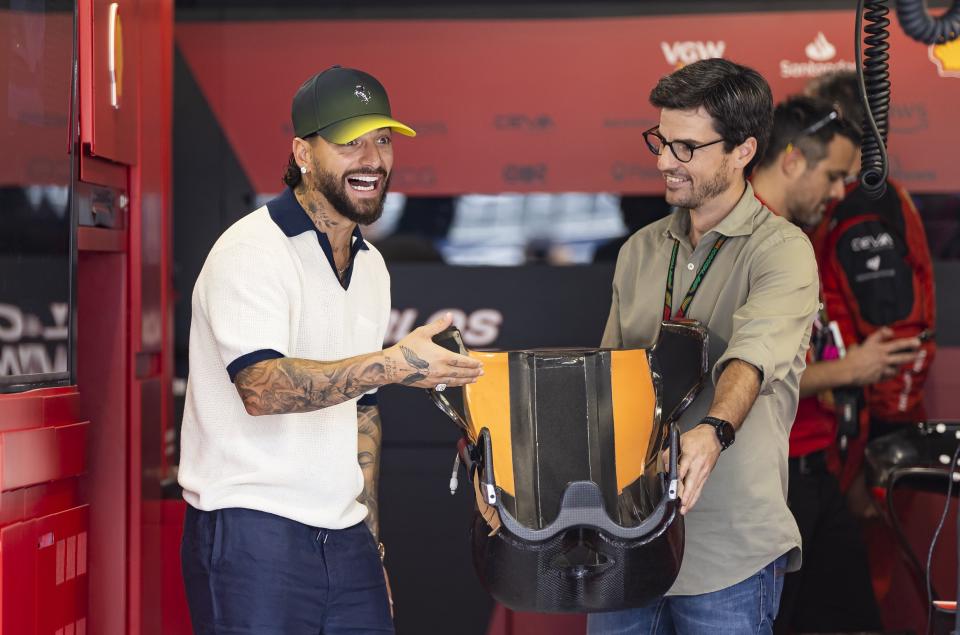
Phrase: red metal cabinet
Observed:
(44, 564)
(61, 572)
(109, 63)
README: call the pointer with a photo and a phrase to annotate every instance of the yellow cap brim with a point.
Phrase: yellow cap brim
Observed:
(355, 127)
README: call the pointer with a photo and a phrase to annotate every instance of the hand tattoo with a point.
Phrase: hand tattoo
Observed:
(413, 359)
(422, 366)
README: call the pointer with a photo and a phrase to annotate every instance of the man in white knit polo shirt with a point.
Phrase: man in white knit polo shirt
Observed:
(281, 432)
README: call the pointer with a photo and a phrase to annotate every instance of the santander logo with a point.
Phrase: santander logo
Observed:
(820, 54)
(820, 50)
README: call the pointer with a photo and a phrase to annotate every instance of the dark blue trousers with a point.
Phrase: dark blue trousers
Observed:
(250, 572)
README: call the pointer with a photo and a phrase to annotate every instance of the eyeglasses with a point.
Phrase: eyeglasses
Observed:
(682, 150)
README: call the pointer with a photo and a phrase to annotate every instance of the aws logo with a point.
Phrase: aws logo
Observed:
(679, 54)
(946, 57)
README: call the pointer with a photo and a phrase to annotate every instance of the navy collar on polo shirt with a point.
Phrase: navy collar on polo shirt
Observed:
(289, 215)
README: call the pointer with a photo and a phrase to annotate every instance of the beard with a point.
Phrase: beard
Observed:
(805, 210)
(703, 192)
(334, 189)
(806, 217)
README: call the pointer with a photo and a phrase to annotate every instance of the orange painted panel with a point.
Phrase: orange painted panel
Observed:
(488, 406)
(634, 408)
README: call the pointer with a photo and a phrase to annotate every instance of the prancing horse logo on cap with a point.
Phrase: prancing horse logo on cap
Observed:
(362, 93)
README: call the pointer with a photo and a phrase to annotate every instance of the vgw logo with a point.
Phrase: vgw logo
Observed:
(478, 329)
(680, 54)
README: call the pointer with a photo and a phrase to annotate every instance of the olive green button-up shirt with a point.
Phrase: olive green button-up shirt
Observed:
(757, 301)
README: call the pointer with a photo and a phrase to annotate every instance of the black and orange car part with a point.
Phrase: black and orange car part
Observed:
(576, 507)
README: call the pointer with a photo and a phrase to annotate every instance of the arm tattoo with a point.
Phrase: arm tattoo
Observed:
(286, 385)
(368, 454)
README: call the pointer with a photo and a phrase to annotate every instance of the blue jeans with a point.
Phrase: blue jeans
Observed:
(746, 607)
(251, 573)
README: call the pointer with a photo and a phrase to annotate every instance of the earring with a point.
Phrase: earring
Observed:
(303, 169)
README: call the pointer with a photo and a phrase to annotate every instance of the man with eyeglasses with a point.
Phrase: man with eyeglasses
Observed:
(750, 277)
(811, 152)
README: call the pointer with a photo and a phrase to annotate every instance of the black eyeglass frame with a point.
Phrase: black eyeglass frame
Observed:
(653, 132)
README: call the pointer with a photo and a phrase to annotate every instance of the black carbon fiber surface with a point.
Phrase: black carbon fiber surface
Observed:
(580, 570)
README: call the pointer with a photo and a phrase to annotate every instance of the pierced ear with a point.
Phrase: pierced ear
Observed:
(301, 152)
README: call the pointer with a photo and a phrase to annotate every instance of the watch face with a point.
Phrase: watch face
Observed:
(726, 434)
(724, 430)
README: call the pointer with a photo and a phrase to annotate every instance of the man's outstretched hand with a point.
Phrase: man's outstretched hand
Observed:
(417, 361)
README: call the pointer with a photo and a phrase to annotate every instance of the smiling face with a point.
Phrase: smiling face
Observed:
(708, 174)
(353, 177)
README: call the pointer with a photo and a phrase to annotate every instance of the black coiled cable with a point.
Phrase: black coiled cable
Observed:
(873, 71)
(921, 26)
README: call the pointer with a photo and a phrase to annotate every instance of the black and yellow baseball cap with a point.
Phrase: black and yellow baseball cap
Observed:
(341, 104)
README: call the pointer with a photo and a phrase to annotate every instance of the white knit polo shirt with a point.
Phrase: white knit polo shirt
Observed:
(268, 289)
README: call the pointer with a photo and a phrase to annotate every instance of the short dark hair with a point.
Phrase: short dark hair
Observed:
(796, 115)
(291, 173)
(843, 89)
(736, 97)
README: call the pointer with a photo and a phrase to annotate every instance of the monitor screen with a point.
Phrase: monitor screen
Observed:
(36, 176)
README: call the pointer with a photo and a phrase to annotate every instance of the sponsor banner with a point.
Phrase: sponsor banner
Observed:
(549, 105)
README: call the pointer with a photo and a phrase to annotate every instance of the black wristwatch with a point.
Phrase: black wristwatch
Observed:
(725, 432)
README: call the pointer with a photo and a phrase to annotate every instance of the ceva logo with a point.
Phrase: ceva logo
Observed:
(879, 242)
(680, 54)
(820, 50)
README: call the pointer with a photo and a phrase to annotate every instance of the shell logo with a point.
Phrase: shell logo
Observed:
(947, 58)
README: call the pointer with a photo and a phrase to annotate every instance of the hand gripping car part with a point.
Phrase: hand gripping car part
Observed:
(576, 509)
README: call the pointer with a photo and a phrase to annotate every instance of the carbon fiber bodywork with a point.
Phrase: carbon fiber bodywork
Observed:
(568, 517)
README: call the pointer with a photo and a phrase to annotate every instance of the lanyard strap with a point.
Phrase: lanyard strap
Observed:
(701, 274)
